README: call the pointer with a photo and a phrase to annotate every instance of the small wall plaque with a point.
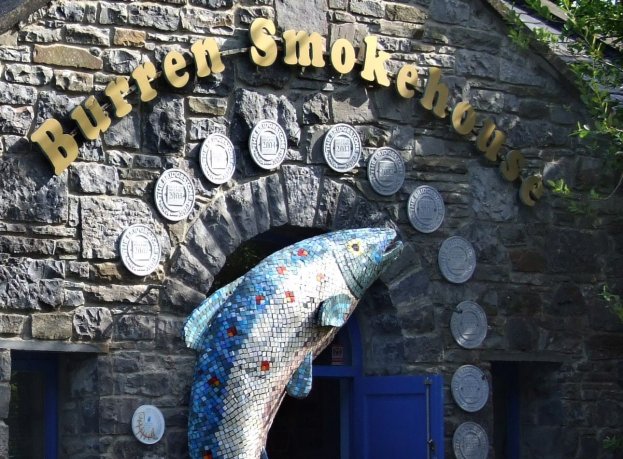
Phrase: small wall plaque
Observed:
(470, 388)
(470, 441)
(148, 424)
(469, 324)
(457, 259)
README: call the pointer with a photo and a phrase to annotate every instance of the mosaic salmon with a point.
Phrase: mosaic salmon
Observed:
(256, 337)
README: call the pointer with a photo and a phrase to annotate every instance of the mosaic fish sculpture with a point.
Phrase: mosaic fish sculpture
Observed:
(256, 337)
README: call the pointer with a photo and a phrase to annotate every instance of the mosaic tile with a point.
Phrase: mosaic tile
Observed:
(256, 337)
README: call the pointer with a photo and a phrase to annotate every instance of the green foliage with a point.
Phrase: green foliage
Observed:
(616, 304)
(593, 30)
(559, 187)
(613, 443)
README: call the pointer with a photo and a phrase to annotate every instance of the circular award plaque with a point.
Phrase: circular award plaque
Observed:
(386, 171)
(469, 324)
(342, 148)
(470, 441)
(174, 195)
(148, 424)
(140, 250)
(268, 144)
(425, 209)
(217, 158)
(457, 259)
(470, 388)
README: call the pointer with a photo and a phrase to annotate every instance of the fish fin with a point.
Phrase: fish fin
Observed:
(264, 454)
(334, 311)
(301, 381)
(200, 318)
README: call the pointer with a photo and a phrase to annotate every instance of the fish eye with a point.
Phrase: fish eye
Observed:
(355, 246)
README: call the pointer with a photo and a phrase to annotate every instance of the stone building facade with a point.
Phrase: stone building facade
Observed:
(63, 288)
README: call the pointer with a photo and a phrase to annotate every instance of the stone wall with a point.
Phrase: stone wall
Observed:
(61, 280)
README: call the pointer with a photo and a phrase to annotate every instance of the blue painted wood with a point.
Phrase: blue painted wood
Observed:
(47, 365)
(391, 415)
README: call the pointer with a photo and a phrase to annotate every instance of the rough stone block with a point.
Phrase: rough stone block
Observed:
(180, 297)
(35, 75)
(134, 327)
(53, 326)
(202, 243)
(30, 193)
(159, 17)
(310, 15)
(5, 400)
(198, 20)
(15, 120)
(220, 224)
(368, 8)
(213, 4)
(122, 61)
(129, 37)
(136, 294)
(327, 203)
(124, 132)
(68, 56)
(165, 129)
(260, 203)
(352, 105)
(276, 200)
(94, 178)
(239, 202)
(113, 13)
(248, 15)
(190, 269)
(39, 34)
(53, 105)
(302, 185)
(316, 109)
(208, 105)
(92, 323)
(68, 80)
(15, 53)
(86, 35)
(406, 13)
(5, 365)
(450, 12)
(12, 324)
(70, 11)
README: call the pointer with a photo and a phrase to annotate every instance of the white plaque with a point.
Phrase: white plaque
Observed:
(217, 159)
(148, 424)
(140, 250)
(470, 441)
(470, 388)
(469, 324)
(268, 144)
(457, 259)
(174, 195)
(342, 148)
(386, 171)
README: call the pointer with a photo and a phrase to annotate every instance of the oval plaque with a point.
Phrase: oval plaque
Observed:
(217, 159)
(386, 171)
(457, 259)
(140, 250)
(148, 424)
(470, 441)
(470, 388)
(174, 194)
(268, 144)
(342, 148)
(469, 324)
(426, 209)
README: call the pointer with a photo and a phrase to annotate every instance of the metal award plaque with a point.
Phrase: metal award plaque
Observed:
(140, 250)
(457, 259)
(217, 158)
(426, 209)
(148, 424)
(342, 148)
(470, 388)
(268, 144)
(174, 195)
(469, 324)
(470, 441)
(386, 171)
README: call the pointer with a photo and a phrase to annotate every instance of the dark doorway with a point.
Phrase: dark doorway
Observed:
(308, 428)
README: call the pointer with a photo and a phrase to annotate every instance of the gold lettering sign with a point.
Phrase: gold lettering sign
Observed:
(302, 49)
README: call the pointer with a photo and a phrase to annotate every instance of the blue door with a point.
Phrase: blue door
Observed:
(399, 417)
